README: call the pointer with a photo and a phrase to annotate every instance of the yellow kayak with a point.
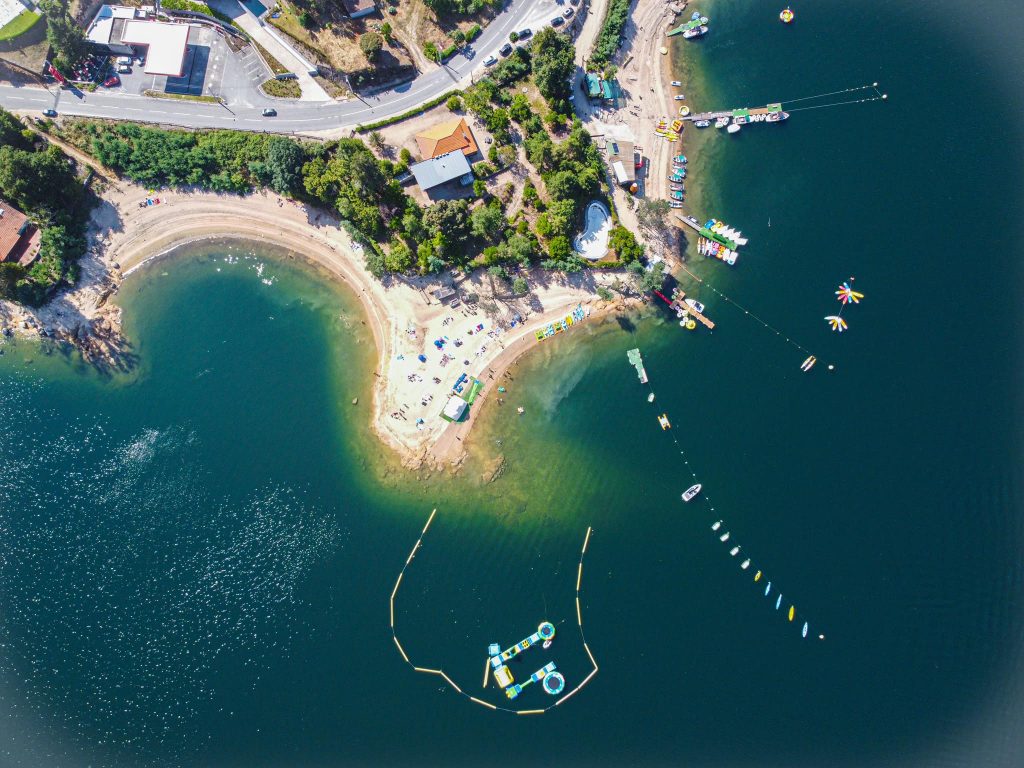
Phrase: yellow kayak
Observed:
(757, 576)
(792, 612)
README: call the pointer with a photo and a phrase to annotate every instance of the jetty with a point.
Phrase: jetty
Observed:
(637, 362)
(745, 114)
(679, 304)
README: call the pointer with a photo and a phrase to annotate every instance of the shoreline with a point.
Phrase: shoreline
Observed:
(125, 236)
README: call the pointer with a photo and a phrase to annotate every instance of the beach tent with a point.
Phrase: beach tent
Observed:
(454, 409)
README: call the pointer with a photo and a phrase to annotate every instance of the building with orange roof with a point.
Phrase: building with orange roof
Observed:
(19, 240)
(447, 137)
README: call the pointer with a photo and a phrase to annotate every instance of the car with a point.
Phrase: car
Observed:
(525, 32)
(679, 97)
(568, 12)
(124, 69)
(112, 82)
(506, 49)
(50, 112)
(269, 112)
(490, 61)
(677, 83)
(557, 21)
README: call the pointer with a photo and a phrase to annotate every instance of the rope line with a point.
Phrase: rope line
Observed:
(441, 673)
(832, 93)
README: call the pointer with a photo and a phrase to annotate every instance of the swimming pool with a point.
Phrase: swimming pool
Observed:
(592, 242)
(257, 8)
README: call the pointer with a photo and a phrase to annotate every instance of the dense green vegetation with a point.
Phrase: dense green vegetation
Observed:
(610, 37)
(41, 182)
(65, 37)
(460, 7)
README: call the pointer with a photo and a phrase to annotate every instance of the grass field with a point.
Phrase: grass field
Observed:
(19, 25)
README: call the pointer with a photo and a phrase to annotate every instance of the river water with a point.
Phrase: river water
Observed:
(196, 557)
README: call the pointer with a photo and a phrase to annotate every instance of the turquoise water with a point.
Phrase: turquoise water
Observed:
(196, 558)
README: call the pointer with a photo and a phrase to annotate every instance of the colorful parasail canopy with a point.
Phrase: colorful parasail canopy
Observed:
(837, 323)
(846, 294)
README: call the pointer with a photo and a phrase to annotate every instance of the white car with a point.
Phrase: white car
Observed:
(677, 83)
(680, 97)
(490, 61)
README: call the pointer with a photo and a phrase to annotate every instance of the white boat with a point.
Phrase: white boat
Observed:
(745, 564)
(721, 122)
(693, 34)
(693, 490)
(767, 589)
(546, 645)
(650, 398)
(702, 123)
(695, 305)
(675, 204)
(778, 602)
(734, 128)
(734, 551)
(804, 633)
(715, 526)
(676, 83)
(724, 536)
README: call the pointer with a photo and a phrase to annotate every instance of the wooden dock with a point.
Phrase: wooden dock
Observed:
(731, 113)
(678, 304)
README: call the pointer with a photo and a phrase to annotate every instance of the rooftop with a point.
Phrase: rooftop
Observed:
(18, 237)
(357, 8)
(446, 137)
(438, 170)
(167, 43)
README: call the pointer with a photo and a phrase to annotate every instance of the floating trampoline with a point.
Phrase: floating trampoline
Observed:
(554, 683)
(546, 630)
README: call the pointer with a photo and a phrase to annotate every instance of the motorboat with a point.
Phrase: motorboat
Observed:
(676, 187)
(702, 123)
(663, 420)
(721, 122)
(776, 117)
(734, 128)
(734, 551)
(690, 492)
(692, 34)
(745, 564)
(675, 204)
(677, 195)
(715, 526)
(650, 398)
(695, 305)
(724, 536)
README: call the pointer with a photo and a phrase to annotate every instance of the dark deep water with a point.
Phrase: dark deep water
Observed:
(195, 560)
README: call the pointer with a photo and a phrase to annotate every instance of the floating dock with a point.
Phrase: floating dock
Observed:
(743, 113)
(537, 676)
(637, 362)
(545, 631)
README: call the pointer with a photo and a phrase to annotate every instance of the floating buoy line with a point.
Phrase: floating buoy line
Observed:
(556, 683)
(718, 526)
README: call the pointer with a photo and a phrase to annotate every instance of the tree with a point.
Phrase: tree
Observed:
(604, 294)
(10, 274)
(519, 108)
(454, 103)
(385, 29)
(651, 214)
(399, 258)
(65, 37)
(487, 222)
(649, 279)
(305, 20)
(376, 139)
(554, 64)
(371, 43)
(13, 132)
(447, 222)
(479, 188)
(520, 286)
(405, 156)
(498, 271)
(284, 165)
(558, 248)
(624, 243)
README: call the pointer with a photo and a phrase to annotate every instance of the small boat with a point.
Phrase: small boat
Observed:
(724, 536)
(767, 589)
(734, 551)
(757, 576)
(675, 204)
(663, 420)
(695, 305)
(807, 364)
(676, 83)
(690, 492)
(520, 410)
(650, 398)
(546, 644)
(702, 123)
(734, 128)
(778, 602)
(716, 525)
(745, 564)
(693, 34)
(792, 612)
(776, 117)
(721, 122)
(677, 195)
(676, 187)
(804, 633)
(679, 159)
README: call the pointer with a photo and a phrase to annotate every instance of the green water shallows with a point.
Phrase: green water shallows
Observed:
(196, 557)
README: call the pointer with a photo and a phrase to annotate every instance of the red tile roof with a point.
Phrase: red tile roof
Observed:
(14, 227)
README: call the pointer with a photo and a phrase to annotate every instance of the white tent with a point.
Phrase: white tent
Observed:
(454, 409)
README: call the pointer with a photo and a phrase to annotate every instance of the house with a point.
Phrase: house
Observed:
(19, 240)
(447, 137)
(442, 169)
(598, 88)
(444, 294)
(593, 85)
(122, 30)
(356, 9)
(622, 158)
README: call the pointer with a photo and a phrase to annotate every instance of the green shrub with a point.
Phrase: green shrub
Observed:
(473, 33)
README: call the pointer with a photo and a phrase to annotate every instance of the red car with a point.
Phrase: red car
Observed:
(112, 82)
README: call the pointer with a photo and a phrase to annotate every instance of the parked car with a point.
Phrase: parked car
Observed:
(679, 97)
(525, 32)
(677, 83)
(269, 112)
(490, 61)
(568, 12)
(124, 69)
(506, 49)
(50, 112)
(557, 21)
(112, 82)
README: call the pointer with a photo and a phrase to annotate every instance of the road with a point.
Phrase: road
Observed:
(299, 117)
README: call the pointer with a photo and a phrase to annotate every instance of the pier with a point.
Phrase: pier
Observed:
(743, 112)
(679, 305)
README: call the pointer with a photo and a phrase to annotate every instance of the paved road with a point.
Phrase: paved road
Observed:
(293, 116)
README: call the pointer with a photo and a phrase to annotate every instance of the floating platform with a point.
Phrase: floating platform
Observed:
(537, 676)
(546, 631)
(503, 676)
(554, 683)
(637, 362)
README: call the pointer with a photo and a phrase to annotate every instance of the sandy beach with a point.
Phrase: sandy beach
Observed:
(414, 378)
